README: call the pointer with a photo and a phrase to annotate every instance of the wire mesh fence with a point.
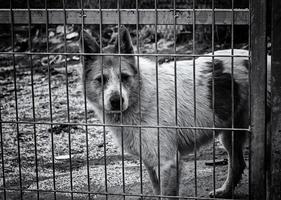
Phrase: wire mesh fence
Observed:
(77, 80)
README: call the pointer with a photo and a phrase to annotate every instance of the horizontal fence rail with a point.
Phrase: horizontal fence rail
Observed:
(126, 54)
(128, 125)
(127, 16)
(113, 193)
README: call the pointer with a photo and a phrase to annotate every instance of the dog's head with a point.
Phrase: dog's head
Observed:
(110, 81)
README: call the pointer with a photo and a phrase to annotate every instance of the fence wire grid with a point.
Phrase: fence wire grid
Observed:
(52, 144)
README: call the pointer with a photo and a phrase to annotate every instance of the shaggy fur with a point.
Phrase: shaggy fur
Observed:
(138, 104)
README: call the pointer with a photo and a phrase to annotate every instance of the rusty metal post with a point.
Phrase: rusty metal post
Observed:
(275, 191)
(258, 85)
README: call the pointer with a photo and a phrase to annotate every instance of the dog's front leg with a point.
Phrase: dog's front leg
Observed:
(170, 176)
(154, 179)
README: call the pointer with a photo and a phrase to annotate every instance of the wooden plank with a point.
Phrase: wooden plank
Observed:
(128, 16)
(258, 73)
(275, 189)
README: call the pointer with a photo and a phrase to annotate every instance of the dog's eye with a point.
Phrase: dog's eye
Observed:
(124, 77)
(101, 79)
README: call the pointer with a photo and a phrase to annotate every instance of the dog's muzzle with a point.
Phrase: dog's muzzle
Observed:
(116, 103)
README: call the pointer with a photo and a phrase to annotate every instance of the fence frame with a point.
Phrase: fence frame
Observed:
(274, 156)
(258, 99)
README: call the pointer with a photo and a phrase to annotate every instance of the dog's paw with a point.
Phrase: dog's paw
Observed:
(221, 193)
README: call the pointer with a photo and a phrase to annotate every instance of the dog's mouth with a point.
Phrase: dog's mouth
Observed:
(115, 111)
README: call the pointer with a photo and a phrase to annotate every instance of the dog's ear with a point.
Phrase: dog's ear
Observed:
(88, 44)
(126, 45)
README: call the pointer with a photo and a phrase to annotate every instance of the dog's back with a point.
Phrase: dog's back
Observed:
(176, 92)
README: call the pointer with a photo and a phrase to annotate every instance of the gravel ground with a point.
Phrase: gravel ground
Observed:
(49, 149)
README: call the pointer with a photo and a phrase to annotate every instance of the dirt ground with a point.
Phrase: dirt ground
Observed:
(43, 156)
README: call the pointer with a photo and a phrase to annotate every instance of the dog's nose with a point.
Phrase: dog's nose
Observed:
(115, 102)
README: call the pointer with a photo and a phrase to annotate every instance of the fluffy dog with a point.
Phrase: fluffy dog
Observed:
(132, 91)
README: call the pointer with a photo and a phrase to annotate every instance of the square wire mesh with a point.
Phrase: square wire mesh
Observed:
(64, 148)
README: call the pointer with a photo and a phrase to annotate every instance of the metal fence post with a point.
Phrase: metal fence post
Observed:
(275, 191)
(258, 99)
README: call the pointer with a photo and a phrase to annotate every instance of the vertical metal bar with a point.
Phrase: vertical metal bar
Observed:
(175, 61)
(121, 104)
(139, 96)
(232, 91)
(33, 96)
(194, 98)
(213, 97)
(103, 110)
(249, 99)
(2, 157)
(275, 150)
(16, 98)
(176, 88)
(157, 93)
(258, 99)
(85, 102)
(50, 100)
(67, 98)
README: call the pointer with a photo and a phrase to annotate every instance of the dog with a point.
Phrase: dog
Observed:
(136, 92)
